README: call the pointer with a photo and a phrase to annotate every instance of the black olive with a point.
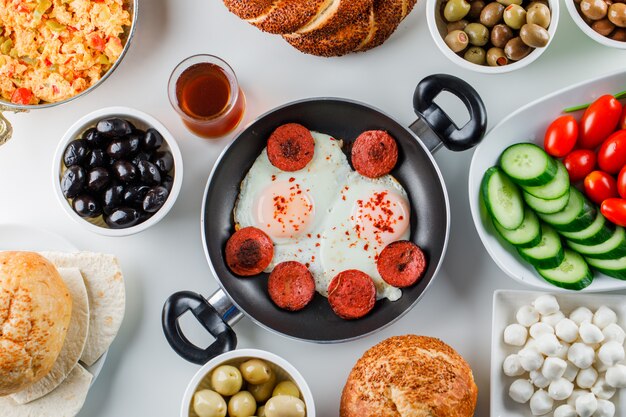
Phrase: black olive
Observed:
(163, 160)
(135, 194)
(155, 198)
(122, 218)
(76, 153)
(168, 183)
(97, 179)
(152, 139)
(113, 198)
(95, 139)
(119, 148)
(149, 173)
(97, 158)
(73, 181)
(114, 127)
(141, 156)
(86, 206)
(134, 142)
(125, 171)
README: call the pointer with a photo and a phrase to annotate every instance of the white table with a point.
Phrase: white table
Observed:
(143, 376)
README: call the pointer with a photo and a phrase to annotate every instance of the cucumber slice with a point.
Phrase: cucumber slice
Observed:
(573, 273)
(502, 198)
(576, 216)
(556, 188)
(548, 253)
(525, 236)
(528, 164)
(615, 268)
(613, 248)
(546, 206)
(598, 232)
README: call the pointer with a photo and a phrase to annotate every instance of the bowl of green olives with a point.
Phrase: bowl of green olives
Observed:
(492, 36)
(601, 20)
(248, 383)
(117, 171)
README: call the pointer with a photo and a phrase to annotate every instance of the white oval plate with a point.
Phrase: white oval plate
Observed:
(529, 124)
(27, 238)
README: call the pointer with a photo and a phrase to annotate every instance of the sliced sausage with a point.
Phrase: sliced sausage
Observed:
(352, 294)
(291, 286)
(290, 147)
(401, 263)
(374, 153)
(249, 251)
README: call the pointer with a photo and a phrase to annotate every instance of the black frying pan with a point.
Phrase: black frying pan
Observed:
(416, 170)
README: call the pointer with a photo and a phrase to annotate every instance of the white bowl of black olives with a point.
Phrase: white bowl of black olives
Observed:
(492, 36)
(117, 171)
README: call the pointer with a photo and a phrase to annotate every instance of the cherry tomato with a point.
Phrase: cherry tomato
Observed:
(22, 96)
(561, 136)
(614, 209)
(612, 153)
(599, 121)
(599, 186)
(579, 164)
(622, 120)
(621, 183)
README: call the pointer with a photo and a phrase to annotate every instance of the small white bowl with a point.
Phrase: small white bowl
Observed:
(236, 357)
(438, 31)
(140, 120)
(505, 305)
(603, 40)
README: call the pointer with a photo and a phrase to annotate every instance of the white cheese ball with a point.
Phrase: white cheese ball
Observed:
(604, 316)
(581, 314)
(571, 401)
(515, 335)
(512, 366)
(611, 353)
(567, 330)
(565, 410)
(586, 405)
(614, 333)
(531, 344)
(602, 390)
(521, 390)
(605, 409)
(541, 403)
(527, 316)
(538, 329)
(553, 368)
(570, 372)
(587, 377)
(600, 366)
(530, 359)
(561, 389)
(561, 352)
(616, 376)
(546, 304)
(553, 319)
(590, 333)
(581, 355)
(538, 380)
(548, 344)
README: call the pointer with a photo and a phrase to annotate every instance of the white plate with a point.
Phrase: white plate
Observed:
(505, 305)
(529, 124)
(27, 238)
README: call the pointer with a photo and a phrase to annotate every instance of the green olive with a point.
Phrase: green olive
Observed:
(475, 55)
(255, 371)
(456, 10)
(460, 25)
(539, 14)
(242, 404)
(496, 57)
(534, 35)
(619, 35)
(476, 8)
(536, 2)
(617, 14)
(263, 392)
(477, 33)
(457, 40)
(226, 380)
(516, 49)
(604, 27)
(286, 388)
(285, 406)
(509, 2)
(207, 403)
(500, 35)
(491, 14)
(514, 16)
(594, 9)
(261, 411)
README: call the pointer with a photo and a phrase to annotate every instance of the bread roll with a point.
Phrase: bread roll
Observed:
(35, 311)
(410, 376)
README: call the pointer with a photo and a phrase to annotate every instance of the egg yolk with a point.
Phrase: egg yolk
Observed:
(284, 209)
(380, 219)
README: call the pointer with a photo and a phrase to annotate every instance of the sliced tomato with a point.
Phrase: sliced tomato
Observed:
(97, 42)
(561, 136)
(600, 186)
(614, 209)
(22, 96)
(579, 164)
(621, 183)
(599, 121)
(612, 153)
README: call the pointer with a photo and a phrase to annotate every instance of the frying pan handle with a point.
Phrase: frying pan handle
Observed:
(209, 317)
(6, 130)
(434, 127)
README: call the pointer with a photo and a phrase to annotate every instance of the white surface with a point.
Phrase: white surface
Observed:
(143, 376)
(529, 125)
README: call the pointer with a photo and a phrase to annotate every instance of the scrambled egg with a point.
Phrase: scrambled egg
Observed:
(51, 50)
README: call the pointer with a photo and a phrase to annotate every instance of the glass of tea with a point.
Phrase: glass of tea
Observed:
(203, 89)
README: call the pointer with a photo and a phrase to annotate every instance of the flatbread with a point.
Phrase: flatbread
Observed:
(74, 340)
(107, 297)
(65, 401)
